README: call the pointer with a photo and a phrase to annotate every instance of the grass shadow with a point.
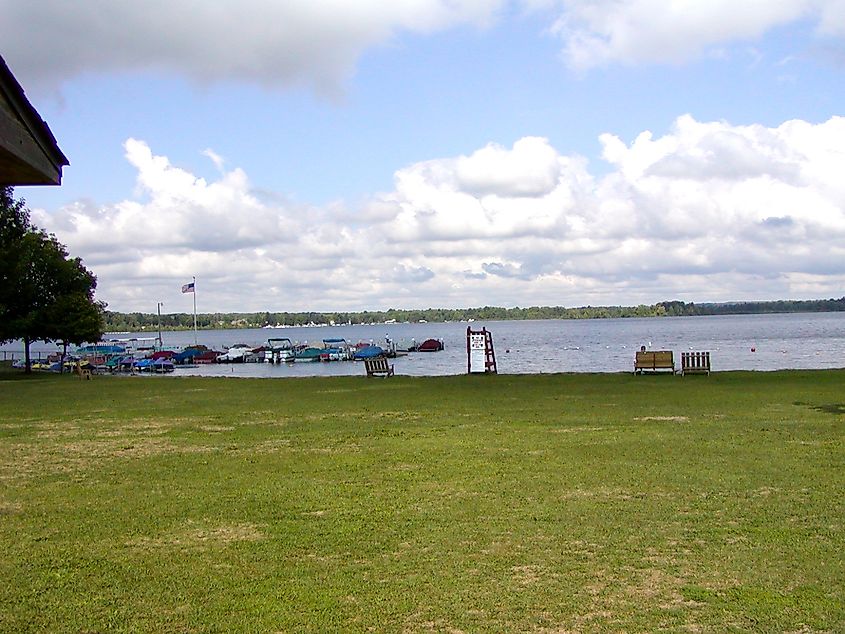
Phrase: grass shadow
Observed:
(837, 409)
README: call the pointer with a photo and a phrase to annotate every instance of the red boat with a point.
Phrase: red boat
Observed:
(430, 345)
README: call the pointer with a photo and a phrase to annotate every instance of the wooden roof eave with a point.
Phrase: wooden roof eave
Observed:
(29, 153)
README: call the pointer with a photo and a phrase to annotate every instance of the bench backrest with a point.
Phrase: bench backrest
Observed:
(695, 360)
(655, 359)
(376, 364)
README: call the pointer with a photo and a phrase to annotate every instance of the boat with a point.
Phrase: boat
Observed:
(159, 366)
(309, 353)
(206, 356)
(163, 366)
(236, 354)
(69, 365)
(129, 345)
(430, 345)
(103, 348)
(279, 350)
(336, 350)
(368, 351)
(189, 354)
(256, 355)
(112, 364)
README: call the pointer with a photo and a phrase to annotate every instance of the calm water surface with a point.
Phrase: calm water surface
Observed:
(736, 342)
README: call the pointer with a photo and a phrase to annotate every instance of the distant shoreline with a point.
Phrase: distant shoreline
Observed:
(117, 322)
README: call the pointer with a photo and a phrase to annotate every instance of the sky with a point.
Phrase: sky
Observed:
(331, 155)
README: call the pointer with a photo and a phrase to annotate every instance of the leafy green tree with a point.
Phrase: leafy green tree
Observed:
(44, 294)
(14, 223)
(74, 318)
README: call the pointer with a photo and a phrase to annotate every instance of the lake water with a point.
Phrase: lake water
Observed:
(736, 342)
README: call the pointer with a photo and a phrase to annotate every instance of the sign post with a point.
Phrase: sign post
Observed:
(480, 355)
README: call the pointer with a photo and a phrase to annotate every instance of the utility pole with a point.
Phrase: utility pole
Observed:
(195, 309)
(160, 343)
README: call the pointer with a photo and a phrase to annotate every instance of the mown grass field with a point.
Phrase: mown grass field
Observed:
(557, 503)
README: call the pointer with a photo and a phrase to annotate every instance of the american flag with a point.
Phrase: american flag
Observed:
(188, 288)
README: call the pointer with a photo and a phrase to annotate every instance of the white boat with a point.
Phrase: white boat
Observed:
(235, 354)
(279, 350)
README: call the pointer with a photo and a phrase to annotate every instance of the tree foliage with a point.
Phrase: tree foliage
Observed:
(137, 322)
(45, 295)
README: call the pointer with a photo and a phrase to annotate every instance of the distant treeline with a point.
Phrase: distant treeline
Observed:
(135, 322)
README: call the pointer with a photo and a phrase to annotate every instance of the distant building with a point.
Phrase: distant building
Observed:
(29, 154)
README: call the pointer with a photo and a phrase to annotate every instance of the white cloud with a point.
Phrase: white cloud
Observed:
(531, 169)
(494, 193)
(600, 32)
(709, 211)
(214, 157)
(832, 17)
(310, 42)
(317, 43)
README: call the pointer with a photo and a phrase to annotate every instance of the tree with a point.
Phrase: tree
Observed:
(14, 223)
(44, 294)
(74, 318)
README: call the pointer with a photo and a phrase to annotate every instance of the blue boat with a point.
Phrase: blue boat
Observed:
(368, 352)
(187, 355)
(335, 350)
(159, 366)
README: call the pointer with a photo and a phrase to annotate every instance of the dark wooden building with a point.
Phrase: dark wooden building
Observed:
(29, 154)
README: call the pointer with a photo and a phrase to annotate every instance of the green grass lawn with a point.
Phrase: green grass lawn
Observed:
(556, 503)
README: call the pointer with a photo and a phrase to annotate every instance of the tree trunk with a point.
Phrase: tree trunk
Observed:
(27, 362)
(64, 356)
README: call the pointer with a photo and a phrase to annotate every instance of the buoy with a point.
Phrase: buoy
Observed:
(753, 349)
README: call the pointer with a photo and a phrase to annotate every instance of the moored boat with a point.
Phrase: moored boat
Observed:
(236, 354)
(189, 354)
(368, 351)
(206, 356)
(279, 350)
(163, 366)
(430, 345)
(158, 366)
(309, 353)
(335, 350)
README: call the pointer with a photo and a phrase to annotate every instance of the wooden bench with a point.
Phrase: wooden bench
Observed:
(654, 361)
(695, 363)
(378, 366)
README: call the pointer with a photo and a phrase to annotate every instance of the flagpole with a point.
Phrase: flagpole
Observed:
(195, 310)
